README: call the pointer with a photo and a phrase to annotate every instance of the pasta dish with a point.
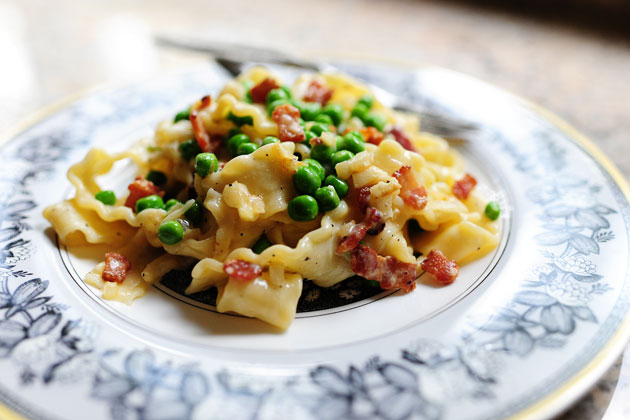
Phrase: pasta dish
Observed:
(265, 186)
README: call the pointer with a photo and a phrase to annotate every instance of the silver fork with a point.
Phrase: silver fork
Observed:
(234, 58)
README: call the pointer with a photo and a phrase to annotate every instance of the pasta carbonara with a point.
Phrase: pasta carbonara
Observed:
(264, 186)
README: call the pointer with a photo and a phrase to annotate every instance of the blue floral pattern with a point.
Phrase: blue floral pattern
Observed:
(49, 345)
(137, 387)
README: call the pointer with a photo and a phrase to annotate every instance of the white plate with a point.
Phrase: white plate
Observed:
(524, 331)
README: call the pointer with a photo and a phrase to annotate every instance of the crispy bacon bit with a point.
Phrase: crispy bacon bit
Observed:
(116, 267)
(388, 271)
(261, 90)
(363, 198)
(402, 138)
(350, 241)
(141, 188)
(464, 186)
(372, 225)
(242, 270)
(289, 128)
(317, 92)
(444, 270)
(206, 144)
(413, 195)
(373, 221)
(372, 135)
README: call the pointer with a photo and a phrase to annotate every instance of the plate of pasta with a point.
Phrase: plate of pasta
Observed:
(284, 245)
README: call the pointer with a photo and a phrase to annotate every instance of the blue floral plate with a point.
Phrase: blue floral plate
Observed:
(523, 332)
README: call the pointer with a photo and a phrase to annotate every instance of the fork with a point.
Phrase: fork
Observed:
(235, 58)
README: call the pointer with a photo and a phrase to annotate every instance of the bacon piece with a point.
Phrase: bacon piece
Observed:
(289, 128)
(363, 198)
(242, 270)
(373, 221)
(372, 224)
(464, 186)
(372, 135)
(317, 92)
(402, 138)
(141, 188)
(316, 141)
(206, 143)
(351, 240)
(261, 90)
(444, 270)
(116, 267)
(388, 271)
(413, 195)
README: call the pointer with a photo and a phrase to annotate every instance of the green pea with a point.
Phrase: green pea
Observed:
(377, 121)
(335, 112)
(360, 111)
(306, 180)
(492, 210)
(324, 119)
(170, 232)
(318, 128)
(297, 104)
(327, 198)
(276, 94)
(321, 172)
(106, 197)
(235, 141)
(246, 148)
(287, 90)
(341, 156)
(356, 135)
(149, 202)
(322, 153)
(157, 177)
(189, 149)
(367, 100)
(182, 115)
(303, 208)
(170, 203)
(248, 97)
(302, 123)
(340, 186)
(270, 140)
(261, 244)
(273, 105)
(194, 214)
(309, 110)
(206, 163)
(351, 142)
(239, 121)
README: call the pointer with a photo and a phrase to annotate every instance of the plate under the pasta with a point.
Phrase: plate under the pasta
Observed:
(523, 330)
